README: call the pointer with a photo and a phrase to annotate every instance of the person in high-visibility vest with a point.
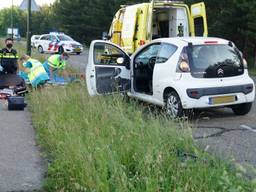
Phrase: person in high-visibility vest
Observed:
(56, 63)
(8, 58)
(36, 73)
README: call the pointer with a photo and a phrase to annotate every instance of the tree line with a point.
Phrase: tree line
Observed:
(87, 19)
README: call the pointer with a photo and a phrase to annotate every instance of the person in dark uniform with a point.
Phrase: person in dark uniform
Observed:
(8, 58)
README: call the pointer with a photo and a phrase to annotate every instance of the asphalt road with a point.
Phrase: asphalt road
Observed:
(227, 135)
(21, 166)
(218, 131)
(79, 62)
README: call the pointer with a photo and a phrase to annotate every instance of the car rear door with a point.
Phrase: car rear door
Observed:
(199, 20)
(108, 69)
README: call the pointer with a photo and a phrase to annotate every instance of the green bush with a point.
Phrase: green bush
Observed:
(107, 144)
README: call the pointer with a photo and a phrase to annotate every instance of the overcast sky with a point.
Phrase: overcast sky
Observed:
(8, 3)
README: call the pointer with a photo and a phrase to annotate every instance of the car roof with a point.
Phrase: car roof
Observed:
(182, 41)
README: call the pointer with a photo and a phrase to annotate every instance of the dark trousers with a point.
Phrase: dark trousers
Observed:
(9, 68)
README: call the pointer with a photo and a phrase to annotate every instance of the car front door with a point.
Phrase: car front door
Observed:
(108, 69)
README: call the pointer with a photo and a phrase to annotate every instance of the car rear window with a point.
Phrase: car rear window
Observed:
(214, 61)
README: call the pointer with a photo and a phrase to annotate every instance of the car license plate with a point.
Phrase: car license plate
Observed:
(77, 49)
(222, 100)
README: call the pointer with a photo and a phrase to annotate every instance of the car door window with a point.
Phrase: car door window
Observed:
(53, 38)
(147, 53)
(107, 54)
(44, 37)
(166, 51)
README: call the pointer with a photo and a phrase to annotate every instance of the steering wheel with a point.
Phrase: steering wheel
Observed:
(151, 63)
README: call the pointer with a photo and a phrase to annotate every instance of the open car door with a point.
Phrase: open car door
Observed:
(108, 69)
(199, 20)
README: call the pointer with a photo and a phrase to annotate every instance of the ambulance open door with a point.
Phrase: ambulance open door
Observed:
(199, 20)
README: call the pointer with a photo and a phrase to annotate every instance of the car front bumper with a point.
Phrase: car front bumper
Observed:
(73, 50)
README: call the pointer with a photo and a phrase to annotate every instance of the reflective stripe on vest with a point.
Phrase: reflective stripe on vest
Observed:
(54, 61)
(9, 56)
(36, 70)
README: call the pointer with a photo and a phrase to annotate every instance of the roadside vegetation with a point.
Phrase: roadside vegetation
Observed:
(108, 144)
(252, 71)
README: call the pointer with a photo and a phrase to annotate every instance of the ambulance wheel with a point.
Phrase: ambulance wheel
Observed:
(40, 49)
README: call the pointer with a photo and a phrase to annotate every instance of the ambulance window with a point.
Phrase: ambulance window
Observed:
(107, 54)
(166, 51)
(199, 26)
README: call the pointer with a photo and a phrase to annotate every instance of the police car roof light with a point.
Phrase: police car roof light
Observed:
(56, 33)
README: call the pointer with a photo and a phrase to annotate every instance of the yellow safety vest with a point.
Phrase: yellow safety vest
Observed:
(36, 70)
(54, 61)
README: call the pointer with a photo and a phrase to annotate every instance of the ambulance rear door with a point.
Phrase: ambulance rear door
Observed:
(150, 21)
(129, 28)
(199, 20)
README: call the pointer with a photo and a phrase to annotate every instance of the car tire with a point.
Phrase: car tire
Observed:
(242, 109)
(40, 49)
(78, 53)
(173, 105)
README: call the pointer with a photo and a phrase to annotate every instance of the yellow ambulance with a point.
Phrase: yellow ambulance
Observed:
(136, 25)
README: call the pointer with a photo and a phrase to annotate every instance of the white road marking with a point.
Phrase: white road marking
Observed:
(248, 128)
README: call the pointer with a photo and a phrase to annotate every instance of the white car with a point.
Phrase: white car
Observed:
(54, 42)
(177, 73)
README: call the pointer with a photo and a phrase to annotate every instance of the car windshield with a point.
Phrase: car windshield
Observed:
(64, 38)
(212, 61)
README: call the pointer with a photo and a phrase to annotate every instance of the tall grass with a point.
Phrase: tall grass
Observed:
(106, 144)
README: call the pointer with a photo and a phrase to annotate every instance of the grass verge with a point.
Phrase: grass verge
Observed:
(252, 72)
(107, 144)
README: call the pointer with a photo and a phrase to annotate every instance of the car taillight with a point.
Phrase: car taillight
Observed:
(184, 66)
(183, 62)
(245, 63)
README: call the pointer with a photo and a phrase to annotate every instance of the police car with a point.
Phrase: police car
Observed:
(179, 74)
(56, 42)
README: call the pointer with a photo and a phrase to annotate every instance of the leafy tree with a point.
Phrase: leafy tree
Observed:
(19, 18)
(86, 19)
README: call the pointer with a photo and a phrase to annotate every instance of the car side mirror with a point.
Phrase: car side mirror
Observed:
(120, 60)
(124, 61)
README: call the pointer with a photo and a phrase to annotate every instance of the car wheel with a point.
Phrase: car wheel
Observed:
(78, 53)
(242, 109)
(40, 49)
(174, 107)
